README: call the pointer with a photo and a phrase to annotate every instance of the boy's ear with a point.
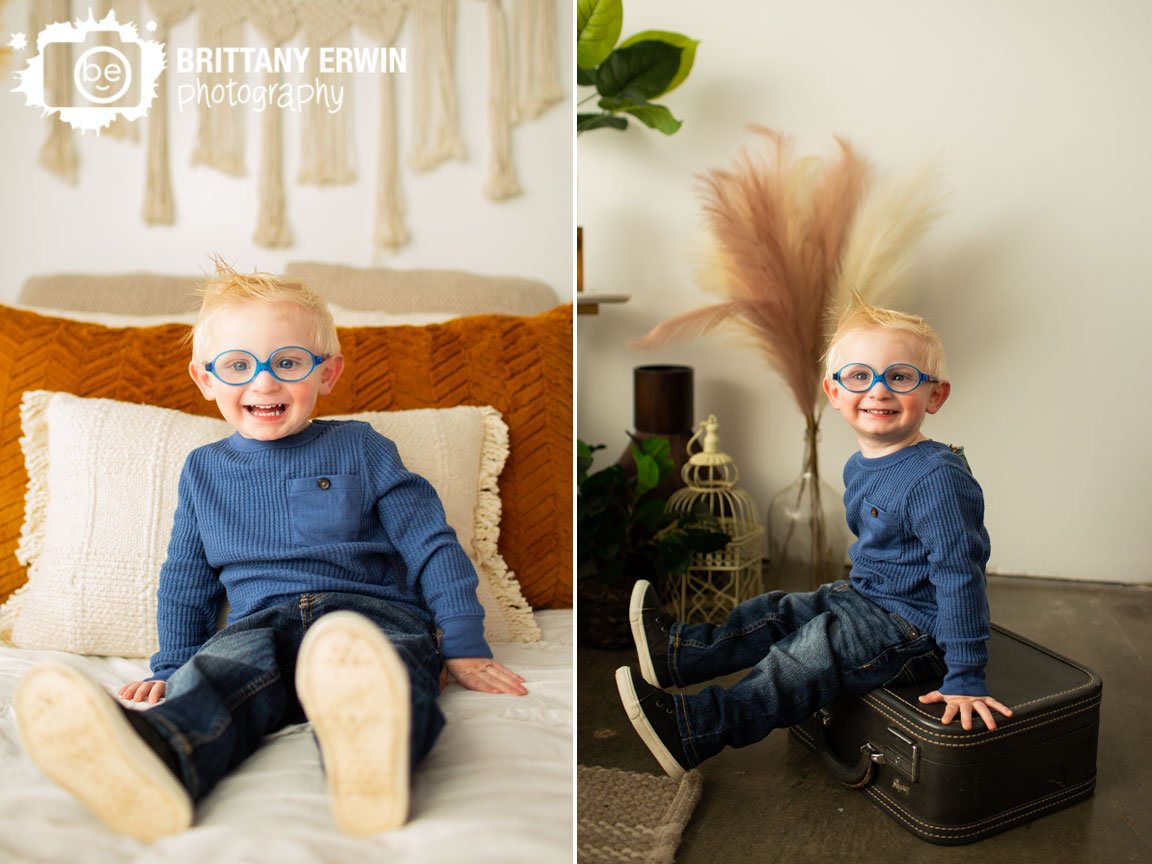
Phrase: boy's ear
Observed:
(203, 379)
(832, 390)
(939, 395)
(330, 373)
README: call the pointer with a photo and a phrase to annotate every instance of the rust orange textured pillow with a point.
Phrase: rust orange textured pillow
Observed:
(522, 366)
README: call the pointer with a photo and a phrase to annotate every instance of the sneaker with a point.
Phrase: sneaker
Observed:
(650, 628)
(651, 711)
(77, 735)
(355, 690)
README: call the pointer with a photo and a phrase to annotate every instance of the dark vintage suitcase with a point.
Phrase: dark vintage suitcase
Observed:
(950, 786)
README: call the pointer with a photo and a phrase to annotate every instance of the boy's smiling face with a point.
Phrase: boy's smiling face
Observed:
(265, 408)
(884, 421)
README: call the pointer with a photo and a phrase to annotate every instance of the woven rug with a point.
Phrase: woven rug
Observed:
(622, 816)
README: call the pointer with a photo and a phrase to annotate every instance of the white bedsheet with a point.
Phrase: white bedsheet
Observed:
(497, 786)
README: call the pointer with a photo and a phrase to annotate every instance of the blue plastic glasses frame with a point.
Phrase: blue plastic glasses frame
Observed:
(882, 377)
(264, 365)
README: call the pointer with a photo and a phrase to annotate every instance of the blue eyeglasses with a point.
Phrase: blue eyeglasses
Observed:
(288, 364)
(898, 378)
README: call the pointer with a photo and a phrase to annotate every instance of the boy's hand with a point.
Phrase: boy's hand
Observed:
(964, 705)
(142, 691)
(486, 675)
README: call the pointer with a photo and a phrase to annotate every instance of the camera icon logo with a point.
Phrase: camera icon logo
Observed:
(101, 75)
(92, 72)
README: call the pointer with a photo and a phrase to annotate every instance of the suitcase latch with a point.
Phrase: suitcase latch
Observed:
(903, 755)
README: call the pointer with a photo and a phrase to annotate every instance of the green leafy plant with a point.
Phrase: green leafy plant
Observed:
(621, 522)
(628, 76)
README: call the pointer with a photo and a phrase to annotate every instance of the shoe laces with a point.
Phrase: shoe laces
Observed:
(659, 619)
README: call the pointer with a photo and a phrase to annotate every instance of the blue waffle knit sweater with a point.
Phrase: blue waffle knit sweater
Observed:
(330, 509)
(921, 550)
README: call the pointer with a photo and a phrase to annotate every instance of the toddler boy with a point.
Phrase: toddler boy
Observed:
(914, 605)
(338, 567)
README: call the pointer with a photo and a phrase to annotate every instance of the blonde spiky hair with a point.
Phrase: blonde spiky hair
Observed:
(225, 287)
(859, 315)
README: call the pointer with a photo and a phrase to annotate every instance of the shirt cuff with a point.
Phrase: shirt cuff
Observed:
(964, 681)
(463, 637)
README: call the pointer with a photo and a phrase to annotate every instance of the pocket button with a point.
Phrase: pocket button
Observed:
(324, 483)
(875, 512)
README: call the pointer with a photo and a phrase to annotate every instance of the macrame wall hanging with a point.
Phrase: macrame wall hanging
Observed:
(523, 82)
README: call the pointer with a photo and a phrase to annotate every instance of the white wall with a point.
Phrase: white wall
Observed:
(48, 226)
(1037, 277)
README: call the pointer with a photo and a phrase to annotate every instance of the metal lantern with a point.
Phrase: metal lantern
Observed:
(717, 581)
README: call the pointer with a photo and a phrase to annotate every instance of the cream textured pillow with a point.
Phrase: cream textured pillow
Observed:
(102, 494)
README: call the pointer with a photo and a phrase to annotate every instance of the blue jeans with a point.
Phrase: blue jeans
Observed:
(241, 685)
(803, 651)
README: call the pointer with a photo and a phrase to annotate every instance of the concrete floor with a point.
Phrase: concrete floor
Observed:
(772, 802)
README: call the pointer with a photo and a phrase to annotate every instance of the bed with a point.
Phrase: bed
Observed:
(495, 391)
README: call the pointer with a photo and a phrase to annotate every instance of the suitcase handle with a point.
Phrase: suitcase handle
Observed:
(853, 776)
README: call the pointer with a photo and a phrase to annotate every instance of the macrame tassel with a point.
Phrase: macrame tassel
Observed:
(327, 143)
(159, 202)
(391, 232)
(277, 23)
(502, 182)
(535, 64)
(126, 11)
(272, 228)
(436, 137)
(58, 155)
(220, 135)
(382, 22)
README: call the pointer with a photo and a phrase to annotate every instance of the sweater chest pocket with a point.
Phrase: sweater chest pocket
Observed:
(881, 533)
(324, 509)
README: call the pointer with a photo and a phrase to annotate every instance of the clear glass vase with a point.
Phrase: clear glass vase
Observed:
(807, 532)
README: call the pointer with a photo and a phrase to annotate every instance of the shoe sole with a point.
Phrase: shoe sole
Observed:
(77, 734)
(640, 723)
(635, 620)
(355, 691)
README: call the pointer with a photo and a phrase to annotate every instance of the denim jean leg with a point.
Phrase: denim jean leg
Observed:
(852, 646)
(240, 686)
(235, 690)
(701, 652)
(427, 718)
(415, 643)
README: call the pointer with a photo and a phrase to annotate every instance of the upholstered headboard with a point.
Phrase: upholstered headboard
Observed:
(396, 291)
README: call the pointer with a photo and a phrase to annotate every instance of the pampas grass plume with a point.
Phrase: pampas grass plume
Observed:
(795, 240)
(889, 222)
(779, 225)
